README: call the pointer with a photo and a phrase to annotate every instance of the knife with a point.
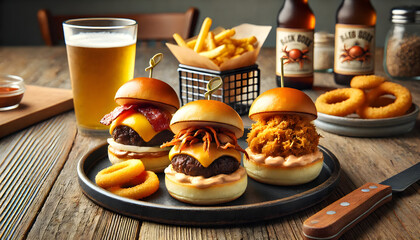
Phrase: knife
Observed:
(335, 219)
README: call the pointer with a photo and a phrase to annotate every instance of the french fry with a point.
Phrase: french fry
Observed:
(249, 47)
(214, 52)
(251, 40)
(224, 35)
(231, 47)
(192, 43)
(226, 41)
(220, 60)
(179, 40)
(239, 51)
(205, 28)
(211, 44)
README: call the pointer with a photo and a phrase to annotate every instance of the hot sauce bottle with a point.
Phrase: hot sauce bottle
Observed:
(295, 44)
(354, 52)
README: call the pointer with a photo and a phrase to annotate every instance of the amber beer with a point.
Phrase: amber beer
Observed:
(354, 52)
(99, 63)
(295, 44)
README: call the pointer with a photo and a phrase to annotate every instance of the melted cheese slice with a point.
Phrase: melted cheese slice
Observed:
(205, 157)
(137, 122)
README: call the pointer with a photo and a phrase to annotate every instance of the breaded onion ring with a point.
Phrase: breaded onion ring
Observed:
(119, 173)
(366, 81)
(146, 187)
(340, 102)
(398, 108)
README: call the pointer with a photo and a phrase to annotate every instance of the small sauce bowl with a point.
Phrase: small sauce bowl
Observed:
(11, 91)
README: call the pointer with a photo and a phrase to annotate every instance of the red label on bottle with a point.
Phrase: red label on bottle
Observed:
(354, 49)
(296, 47)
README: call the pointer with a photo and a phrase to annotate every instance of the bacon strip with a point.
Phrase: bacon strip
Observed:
(158, 118)
(108, 118)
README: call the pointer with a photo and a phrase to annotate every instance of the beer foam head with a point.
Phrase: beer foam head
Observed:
(100, 40)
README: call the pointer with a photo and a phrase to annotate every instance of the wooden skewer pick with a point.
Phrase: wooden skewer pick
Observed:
(153, 62)
(213, 84)
(282, 72)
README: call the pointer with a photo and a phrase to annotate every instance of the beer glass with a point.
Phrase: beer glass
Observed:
(101, 54)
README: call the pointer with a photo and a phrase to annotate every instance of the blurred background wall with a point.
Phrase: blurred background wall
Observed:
(19, 26)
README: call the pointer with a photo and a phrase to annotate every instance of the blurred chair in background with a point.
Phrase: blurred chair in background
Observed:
(152, 27)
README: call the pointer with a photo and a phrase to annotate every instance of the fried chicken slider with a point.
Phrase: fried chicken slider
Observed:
(205, 158)
(141, 123)
(283, 142)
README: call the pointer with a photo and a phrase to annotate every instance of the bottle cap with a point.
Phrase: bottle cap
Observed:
(405, 14)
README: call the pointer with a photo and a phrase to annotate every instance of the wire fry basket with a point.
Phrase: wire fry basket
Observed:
(240, 86)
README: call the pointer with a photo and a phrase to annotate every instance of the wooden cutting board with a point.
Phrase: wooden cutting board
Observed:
(38, 103)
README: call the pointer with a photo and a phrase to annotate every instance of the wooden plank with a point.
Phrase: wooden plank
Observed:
(28, 168)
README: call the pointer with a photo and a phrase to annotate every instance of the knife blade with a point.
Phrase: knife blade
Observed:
(338, 217)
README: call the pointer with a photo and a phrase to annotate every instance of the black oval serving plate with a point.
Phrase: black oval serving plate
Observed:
(259, 202)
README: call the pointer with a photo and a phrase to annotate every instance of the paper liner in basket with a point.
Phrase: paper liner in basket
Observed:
(187, 56)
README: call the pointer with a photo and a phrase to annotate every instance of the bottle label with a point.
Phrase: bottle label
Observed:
(296, 47)
(354, 52)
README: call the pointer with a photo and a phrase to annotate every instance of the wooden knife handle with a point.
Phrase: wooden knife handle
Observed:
(334, 220)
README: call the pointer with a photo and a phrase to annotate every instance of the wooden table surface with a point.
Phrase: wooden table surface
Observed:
(40, 197)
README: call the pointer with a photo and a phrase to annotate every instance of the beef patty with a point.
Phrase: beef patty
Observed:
(127, 136)
(190, 166)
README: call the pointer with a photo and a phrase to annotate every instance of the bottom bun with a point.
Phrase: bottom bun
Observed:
(283, 175)
(214, 194)
(154, 164)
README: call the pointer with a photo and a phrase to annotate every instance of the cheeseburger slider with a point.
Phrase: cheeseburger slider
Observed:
(205, 157)
(141, 123)
(283, 143)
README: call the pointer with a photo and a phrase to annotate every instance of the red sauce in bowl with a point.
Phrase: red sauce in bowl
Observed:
(11, 92)
(9, 100)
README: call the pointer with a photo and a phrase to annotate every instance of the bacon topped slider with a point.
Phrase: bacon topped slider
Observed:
(283, 143)
(205, 158)
(141, 123)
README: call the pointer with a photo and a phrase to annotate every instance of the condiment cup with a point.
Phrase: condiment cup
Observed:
(11, 91)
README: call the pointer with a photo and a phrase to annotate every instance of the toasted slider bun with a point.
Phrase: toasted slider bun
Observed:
(207, 113)
(140, 91)
(202, 113)
(279, 175)
(148, 90)
(218, 193)
(155, 164)
(282, 101)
